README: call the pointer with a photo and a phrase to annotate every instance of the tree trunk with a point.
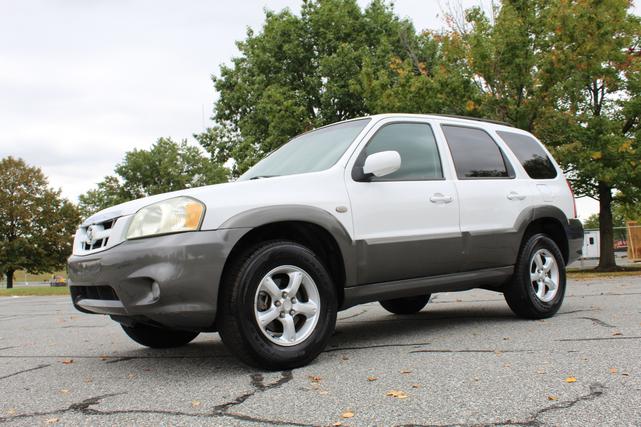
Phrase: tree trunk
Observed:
(10, 279)
(606, 232)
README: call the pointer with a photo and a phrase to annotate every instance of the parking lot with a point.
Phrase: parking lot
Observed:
(464, 360)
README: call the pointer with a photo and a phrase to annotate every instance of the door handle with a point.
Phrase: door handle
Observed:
(440, 198)
(513, 195)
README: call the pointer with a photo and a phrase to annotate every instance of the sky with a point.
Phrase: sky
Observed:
(84, 81)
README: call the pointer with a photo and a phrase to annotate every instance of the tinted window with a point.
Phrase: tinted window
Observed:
(475, 153)
(535, 161)
(415, 143)
(313, 151)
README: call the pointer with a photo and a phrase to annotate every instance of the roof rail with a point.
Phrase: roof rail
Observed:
(478, 119)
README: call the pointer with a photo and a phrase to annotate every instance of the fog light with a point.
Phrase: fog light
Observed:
(155, 290)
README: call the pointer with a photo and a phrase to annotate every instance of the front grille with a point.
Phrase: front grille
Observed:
(93, 292)
(95, 236)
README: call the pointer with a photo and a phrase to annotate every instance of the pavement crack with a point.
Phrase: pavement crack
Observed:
(598, 322)
(598, 339)
(352, 316)
(596, 390)
(578, 311)
(85, 406)
(23, 371)
(472, 351)
(258, 383)
(367, 347)
(120, 359)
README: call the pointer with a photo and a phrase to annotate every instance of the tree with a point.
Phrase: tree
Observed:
(569, 72)
(36, 224)
(333, 62)
(166, 166)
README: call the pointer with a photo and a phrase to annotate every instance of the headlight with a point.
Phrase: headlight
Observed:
(169, 216)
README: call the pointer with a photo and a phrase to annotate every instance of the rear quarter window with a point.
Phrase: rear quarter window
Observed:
(534, 160)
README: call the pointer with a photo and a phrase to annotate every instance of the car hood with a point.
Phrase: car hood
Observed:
(224, 200)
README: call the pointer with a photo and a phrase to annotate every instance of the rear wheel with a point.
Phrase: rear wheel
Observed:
(153, 337)
(538, 285)
(408, 305)
(278, 306)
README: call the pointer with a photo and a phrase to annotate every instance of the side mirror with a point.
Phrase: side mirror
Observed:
(381, 164)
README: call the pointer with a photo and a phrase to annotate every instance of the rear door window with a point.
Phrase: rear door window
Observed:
(475, 154)
(535, 161)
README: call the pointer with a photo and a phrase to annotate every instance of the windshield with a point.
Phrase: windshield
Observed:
(310, 152)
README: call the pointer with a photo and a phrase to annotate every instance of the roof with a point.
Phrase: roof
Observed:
(450, 116)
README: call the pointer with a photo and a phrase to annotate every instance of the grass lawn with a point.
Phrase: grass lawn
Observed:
(34, 291)
(591, 274)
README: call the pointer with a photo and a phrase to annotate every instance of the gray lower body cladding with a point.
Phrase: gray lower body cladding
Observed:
(170, 280)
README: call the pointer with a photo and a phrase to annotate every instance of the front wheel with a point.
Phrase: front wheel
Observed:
(153, 337)
(538, 285)
(278, 306)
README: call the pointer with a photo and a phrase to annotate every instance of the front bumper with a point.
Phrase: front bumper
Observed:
(575, 239)
(169, 281)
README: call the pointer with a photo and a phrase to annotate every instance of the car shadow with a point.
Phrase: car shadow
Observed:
(390, 328)
(362, 331)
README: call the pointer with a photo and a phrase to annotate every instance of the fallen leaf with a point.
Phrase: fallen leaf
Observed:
(613, 370)
(347, 414)
(371, 378)
(195, 403)
(570, 380)
(616, 334)
(67, 362)
(405, 371)
(52, 420)
(397, 394)
(64, 391)
(553, 398)
(337, 423)
(131, 375)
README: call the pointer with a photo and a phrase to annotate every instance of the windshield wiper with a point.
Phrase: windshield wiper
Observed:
(262, 176)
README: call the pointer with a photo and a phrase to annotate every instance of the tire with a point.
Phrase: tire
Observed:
(408, 305)
(153, 337)
(292, 333)
(537, 289)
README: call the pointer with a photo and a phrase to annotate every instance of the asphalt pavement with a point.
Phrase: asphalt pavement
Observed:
(464, 360)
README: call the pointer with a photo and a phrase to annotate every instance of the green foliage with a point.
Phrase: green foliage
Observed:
(333, 62)
(166, 166)
(569, 72)
(36, 224)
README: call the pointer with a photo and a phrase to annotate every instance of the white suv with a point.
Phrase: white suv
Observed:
(388, 208)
